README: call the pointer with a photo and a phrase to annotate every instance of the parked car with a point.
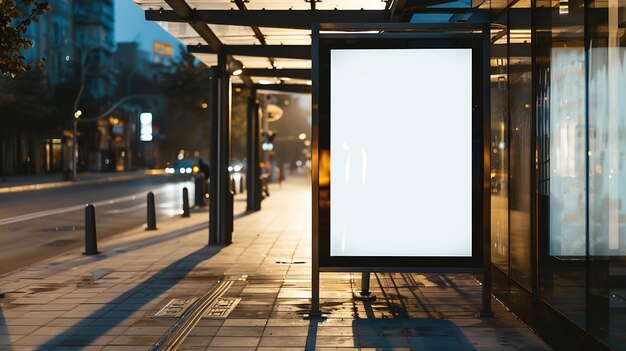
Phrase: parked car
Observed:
(183, 169)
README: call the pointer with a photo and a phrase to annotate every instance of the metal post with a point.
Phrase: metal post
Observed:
(74, 149)
(485, 123)
(226, 206)
(231, 218)
(241, 187)
(233, 185)
(315, 258)
(91, 242)
(253, 171)
(220, 208)
(365, 293)
(185, 202)
(213, 156)
(151, 212)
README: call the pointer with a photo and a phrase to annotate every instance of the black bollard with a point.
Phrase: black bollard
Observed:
(151, 212)
(91, 243)
(241, 185)
(199, 190)
(233, 186)
(185, 202)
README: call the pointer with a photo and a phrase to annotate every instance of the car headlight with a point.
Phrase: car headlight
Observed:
(182, 170)
(196, 169)
(237, 168)
(188, 170)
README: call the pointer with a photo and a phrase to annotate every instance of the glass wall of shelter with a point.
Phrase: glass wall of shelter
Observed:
(558, 165)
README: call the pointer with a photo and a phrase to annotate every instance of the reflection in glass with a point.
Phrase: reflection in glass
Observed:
(562, 68)
(520, 77)
(499, 148)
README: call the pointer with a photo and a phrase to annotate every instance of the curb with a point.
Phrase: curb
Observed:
(62, 184)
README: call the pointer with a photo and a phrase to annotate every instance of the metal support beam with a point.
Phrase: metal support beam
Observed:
(302, 52)
(397, 10)
(220, 228)
(214, 237)
(294, 73)
(414, 4)
(182, 10)
(257, 31)
(294, 19)
(286, 88)
(253, 171)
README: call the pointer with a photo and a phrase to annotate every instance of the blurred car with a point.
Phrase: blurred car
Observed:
(183, 169)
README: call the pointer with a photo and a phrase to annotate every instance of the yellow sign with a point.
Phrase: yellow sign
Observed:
(163, 49)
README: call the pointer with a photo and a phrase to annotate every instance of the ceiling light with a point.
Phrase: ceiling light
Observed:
(235, 67)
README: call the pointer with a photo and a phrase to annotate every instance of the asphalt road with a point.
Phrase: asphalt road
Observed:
(35, 225)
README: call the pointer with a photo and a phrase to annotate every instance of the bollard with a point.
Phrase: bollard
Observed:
(233, 185)
(91, 243)
(241, 185)
(185, 202)
(151, 212)
(199, 190)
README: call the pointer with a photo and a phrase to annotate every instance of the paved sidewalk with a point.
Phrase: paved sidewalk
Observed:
(108, 302)
(48, 181)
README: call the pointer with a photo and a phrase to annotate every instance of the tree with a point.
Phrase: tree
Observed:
(25, 105)
(15, 18)
(187, 89)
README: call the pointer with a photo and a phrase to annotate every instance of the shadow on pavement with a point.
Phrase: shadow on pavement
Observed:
(145, 242)
(156, 285)
(416, 333)
(5, 337)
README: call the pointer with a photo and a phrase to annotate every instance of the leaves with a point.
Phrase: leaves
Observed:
(13, 25)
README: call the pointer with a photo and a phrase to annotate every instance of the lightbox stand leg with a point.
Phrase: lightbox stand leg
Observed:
(365, 293)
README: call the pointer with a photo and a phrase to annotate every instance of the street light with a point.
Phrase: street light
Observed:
(78, 113)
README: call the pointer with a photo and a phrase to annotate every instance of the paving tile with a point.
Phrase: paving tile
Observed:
(135, 340)
(240, 331)
(196, 342)
(241, 322)
(224, 341)
(286, 341)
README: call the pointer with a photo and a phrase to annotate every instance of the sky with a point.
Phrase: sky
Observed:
(131, 25)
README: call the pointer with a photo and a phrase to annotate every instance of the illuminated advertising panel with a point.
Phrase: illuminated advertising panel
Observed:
(401, 152)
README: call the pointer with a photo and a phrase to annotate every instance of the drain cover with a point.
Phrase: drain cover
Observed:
(291, 262)
(175, 308)
(236, 277)
(222, 307)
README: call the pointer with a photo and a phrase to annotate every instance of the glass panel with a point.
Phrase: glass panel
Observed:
(499, 148)
(607, 143)
(562, 200)
(520, 79)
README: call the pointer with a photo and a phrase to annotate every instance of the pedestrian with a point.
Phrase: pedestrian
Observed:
(204, 168)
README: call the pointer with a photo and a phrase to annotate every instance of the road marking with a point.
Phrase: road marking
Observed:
(56, 211)
(127, 209)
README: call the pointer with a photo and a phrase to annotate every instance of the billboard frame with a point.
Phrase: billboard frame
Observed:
(395, 36)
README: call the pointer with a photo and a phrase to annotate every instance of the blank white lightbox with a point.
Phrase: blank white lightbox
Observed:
(401, 152)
